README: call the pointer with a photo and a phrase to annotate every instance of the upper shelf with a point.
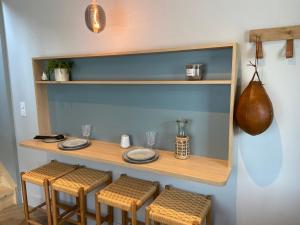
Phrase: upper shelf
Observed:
(197, 168)
(142, 52)
(140, 82)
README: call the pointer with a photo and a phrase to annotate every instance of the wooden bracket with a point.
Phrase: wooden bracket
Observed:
(275, 34)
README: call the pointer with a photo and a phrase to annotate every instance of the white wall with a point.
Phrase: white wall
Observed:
(264, 189)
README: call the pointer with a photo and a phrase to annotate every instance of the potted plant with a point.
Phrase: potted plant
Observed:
(60, 68)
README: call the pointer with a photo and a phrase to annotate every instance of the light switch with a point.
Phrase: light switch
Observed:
(23, 109)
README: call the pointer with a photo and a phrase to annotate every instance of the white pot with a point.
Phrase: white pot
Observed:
(61, 74)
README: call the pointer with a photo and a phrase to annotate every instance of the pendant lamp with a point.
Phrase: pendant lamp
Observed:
(95, 17)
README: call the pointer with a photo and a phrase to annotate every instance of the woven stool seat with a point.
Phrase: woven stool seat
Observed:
(179, 207)
(85, 178)
(127, 190)
(50, 171)
(42, 176)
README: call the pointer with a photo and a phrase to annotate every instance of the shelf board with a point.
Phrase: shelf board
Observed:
(197, 168)
(137, 82)
(142, 52)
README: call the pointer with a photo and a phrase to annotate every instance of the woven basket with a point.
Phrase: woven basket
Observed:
(182, 147)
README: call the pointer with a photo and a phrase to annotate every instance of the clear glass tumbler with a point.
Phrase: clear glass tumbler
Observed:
(86, 131)
(150, 137)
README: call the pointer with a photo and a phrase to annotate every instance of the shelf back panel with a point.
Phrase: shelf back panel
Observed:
(113, 110)
(158, 66)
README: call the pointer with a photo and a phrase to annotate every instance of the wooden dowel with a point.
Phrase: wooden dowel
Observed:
(34, 222)
(259, 50)
(71, 221)
(37, 207)
(72, 210)
(289, 48)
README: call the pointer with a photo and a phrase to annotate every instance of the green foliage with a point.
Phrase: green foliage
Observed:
(55, 64)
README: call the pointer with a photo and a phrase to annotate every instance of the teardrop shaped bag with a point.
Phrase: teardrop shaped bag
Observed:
(254, 111)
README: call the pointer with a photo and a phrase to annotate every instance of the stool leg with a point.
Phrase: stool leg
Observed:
(156, 193)
(47, 200)
(133, 214)
(25, 200)
(124, 217)
(98, 211)
(110, 211)
(78, 214)
(82, 200)
(55, 210)
(147, 219)
(208, 218)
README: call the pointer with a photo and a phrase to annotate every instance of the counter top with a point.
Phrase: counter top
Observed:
(202, 169)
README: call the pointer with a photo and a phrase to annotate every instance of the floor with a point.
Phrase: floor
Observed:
(14, 216)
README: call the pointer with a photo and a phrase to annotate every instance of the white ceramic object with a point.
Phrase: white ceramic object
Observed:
(125, 141)
(140, 154)
(61, 74)
(45, 77)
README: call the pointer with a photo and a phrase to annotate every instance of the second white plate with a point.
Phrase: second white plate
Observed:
(73, 143)
(141, 154)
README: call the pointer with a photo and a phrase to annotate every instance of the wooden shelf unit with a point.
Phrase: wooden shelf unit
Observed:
(201, 169)
(197, 168)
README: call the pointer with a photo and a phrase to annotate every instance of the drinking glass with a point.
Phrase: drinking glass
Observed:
(86, 131)
(150, 136)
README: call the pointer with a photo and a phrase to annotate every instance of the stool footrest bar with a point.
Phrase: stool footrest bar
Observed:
(33, 222)
(37, 207)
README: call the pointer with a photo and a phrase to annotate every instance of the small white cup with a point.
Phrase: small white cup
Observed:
(125, 141)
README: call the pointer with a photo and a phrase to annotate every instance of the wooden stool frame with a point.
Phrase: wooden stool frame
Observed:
(46, 203)
(125, 217)
(79, 209)
(207, 221)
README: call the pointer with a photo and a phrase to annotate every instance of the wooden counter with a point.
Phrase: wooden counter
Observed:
(201, 169)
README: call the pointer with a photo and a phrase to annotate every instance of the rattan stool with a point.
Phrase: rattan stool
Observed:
(78, 184)
(42, 176)
(128, 194)
(177, 207)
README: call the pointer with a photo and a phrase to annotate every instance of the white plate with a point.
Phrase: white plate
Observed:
(61, 147)
(140, 154)
(73, 143)
(125, 158)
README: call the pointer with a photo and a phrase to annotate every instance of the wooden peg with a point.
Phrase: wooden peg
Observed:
(289, 53)
(259, 50)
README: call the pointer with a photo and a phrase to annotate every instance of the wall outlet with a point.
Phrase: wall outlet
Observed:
(23, 109)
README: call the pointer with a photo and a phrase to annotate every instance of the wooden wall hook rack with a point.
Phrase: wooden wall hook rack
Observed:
(275, 34)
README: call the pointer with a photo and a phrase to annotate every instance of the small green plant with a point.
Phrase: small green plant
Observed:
(58, 64)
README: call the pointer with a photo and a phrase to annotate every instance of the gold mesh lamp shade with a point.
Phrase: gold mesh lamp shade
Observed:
(95, 17)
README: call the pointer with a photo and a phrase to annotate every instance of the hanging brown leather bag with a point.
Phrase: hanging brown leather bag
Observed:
(254, 110)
